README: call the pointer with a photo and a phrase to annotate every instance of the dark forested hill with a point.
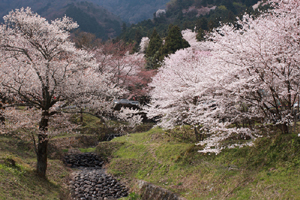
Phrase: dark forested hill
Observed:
(132, 11)
(204, 15)
(95, 19)
(96, 16)
(90, 17)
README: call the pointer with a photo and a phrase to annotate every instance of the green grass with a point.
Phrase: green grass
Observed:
(89, 125)
(87, 150)
(268, 170)
(18, 179)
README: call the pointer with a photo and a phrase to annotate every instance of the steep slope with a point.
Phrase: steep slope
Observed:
(170, 159)
(90, 17)
(203, 15)
(45, 8)
(132, 11)
(94, 19)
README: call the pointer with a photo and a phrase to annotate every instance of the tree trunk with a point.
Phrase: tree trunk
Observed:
(81, 115)
(41, 166)
(295, 120)
(2, 118)
(199, 136)
(285, 128)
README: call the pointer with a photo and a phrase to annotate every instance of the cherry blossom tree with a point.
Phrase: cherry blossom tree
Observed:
(262, 70)
(26, 122)
(128, 70)
(182, 89)
(41, 67)
(188, 89)
(144, 44)
(249, 73)
(190, 37)
(263, 64)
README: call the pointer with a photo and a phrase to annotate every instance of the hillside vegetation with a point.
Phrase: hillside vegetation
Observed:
(198, 15)
(132, 11)
(90, 17)
(268, 170)
(237, 98)
(94, 19)
(18, 178)
(104, 18)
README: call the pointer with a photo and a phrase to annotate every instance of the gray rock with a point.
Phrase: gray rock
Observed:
(91, 182)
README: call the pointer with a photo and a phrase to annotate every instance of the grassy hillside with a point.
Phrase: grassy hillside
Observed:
(268, 170)
(18, 179)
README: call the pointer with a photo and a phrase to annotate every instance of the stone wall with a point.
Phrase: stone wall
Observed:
(151, 192)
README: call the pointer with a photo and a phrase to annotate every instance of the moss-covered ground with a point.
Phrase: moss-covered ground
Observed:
(268, 170)
(170, 159)
(18, 179)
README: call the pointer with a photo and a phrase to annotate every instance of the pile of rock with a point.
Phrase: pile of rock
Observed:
(91, 182)
(83, 160)
(94, 184)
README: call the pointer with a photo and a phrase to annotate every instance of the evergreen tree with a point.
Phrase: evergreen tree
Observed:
(124, 27)
(202, 23)
(200, 34)
(154, 44)
(211, 25)
(137, 39)
(174, 41)
(153, 50)
(229, 5)
(231, 17)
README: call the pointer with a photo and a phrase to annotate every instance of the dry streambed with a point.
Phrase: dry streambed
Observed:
(90, 182)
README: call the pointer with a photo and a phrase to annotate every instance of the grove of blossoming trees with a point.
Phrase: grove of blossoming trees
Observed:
(40, 67)
(235, 76)
(263, 64)
(127, 70)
